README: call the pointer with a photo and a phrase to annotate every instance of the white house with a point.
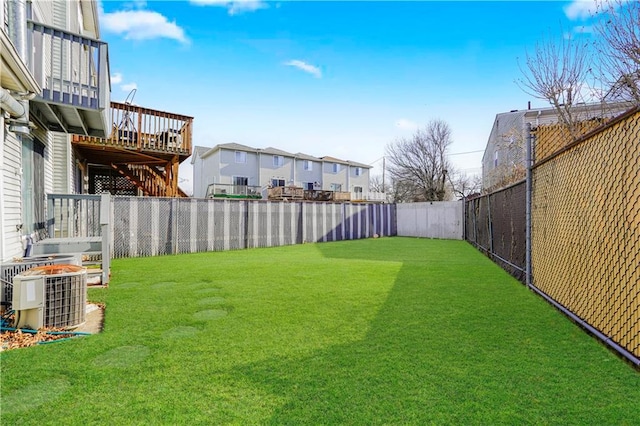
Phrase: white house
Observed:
(54, 81)
(241, 165)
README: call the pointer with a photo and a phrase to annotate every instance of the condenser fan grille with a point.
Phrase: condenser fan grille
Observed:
(65, 300)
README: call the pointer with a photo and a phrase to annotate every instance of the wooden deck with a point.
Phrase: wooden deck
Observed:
(146, 146)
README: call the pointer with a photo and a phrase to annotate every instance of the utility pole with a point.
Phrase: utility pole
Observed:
(383, 191)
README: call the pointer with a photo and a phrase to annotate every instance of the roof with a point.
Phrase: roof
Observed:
(204, 152)
(304, 156)
(345, 162)
(198, 151)
(276, 151)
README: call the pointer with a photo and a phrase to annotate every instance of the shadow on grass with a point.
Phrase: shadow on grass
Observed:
(454, 342)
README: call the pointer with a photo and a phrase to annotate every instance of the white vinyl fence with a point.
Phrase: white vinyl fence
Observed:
(436, 219)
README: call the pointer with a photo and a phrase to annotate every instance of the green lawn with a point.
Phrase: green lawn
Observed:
(390, 330)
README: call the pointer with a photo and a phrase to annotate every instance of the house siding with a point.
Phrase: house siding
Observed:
(303, 176)
(268, 171)
(229, 168)
(11, 196)
(61, 157)
(361, 181)
(329, 178)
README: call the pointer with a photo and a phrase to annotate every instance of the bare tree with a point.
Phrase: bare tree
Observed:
(556, 72)
(464, 185)
(619, 48)
(419, 165)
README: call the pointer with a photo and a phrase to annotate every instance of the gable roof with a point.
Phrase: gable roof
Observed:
(276, 151)
(198, 151)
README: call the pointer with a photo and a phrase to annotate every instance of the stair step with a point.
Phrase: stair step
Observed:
(67, 245)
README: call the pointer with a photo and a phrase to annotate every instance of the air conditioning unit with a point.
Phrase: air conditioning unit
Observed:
(50, 296)
(10, 270)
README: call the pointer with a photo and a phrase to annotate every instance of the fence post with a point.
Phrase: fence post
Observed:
(529, 190)
(105, 225)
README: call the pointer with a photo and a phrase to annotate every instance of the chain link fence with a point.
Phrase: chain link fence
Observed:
(145, 226)
(585, 236)
(496, 225)
(585, 228)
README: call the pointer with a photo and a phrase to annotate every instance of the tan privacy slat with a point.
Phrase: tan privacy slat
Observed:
(586, 226)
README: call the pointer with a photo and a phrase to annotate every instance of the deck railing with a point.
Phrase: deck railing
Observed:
(146, 129)
(221, 190)
(73, 215)
(373, 197)
(71, 69)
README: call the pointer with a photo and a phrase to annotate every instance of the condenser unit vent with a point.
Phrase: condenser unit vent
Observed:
(65, 296)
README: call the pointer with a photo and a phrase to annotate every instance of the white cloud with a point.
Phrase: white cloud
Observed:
(303, 66)
(234, 7)
(129, 87)
(142, 25)
(405, 124)
(580, 9)
(116, 78)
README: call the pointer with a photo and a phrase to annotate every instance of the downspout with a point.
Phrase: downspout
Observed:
(19, 109)
(10, 104)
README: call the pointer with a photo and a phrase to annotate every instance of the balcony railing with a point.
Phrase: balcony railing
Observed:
(373, 197)
(73, 70)
(221, 190)
(145, 129)
(70, 68)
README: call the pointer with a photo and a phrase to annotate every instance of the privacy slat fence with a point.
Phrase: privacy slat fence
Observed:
(495, 224)
(146, 226)
(585, 228)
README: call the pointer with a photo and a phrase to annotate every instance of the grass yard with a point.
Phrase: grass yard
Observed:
(379, 331)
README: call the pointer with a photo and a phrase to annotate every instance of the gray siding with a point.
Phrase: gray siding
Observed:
(361, 181)
(229, 168)
(302, 176)
(268, 171)
(329, 177)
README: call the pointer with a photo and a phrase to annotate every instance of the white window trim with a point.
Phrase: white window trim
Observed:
(307, 165)
(243, 156)
(278, 161)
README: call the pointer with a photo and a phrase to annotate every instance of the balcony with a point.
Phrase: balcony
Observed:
(73, 72)
(133, 129)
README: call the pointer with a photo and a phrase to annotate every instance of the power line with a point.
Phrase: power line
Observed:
(468, 152)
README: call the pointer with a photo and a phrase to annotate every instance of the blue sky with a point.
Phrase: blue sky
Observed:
(331, 78)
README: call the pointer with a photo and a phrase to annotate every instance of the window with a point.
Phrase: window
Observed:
(277, 182)
(241, 157)
(307, 186)
(357, 189)
(307, 165)
(278, 161)
(33, 186)
(495, 159)
(241, 180)
(358, 171)
(336, 187)
(336, 168)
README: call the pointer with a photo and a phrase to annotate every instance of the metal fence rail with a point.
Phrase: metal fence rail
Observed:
(158, 226)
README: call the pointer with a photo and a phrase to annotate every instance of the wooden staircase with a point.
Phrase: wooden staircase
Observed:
(153, 181)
